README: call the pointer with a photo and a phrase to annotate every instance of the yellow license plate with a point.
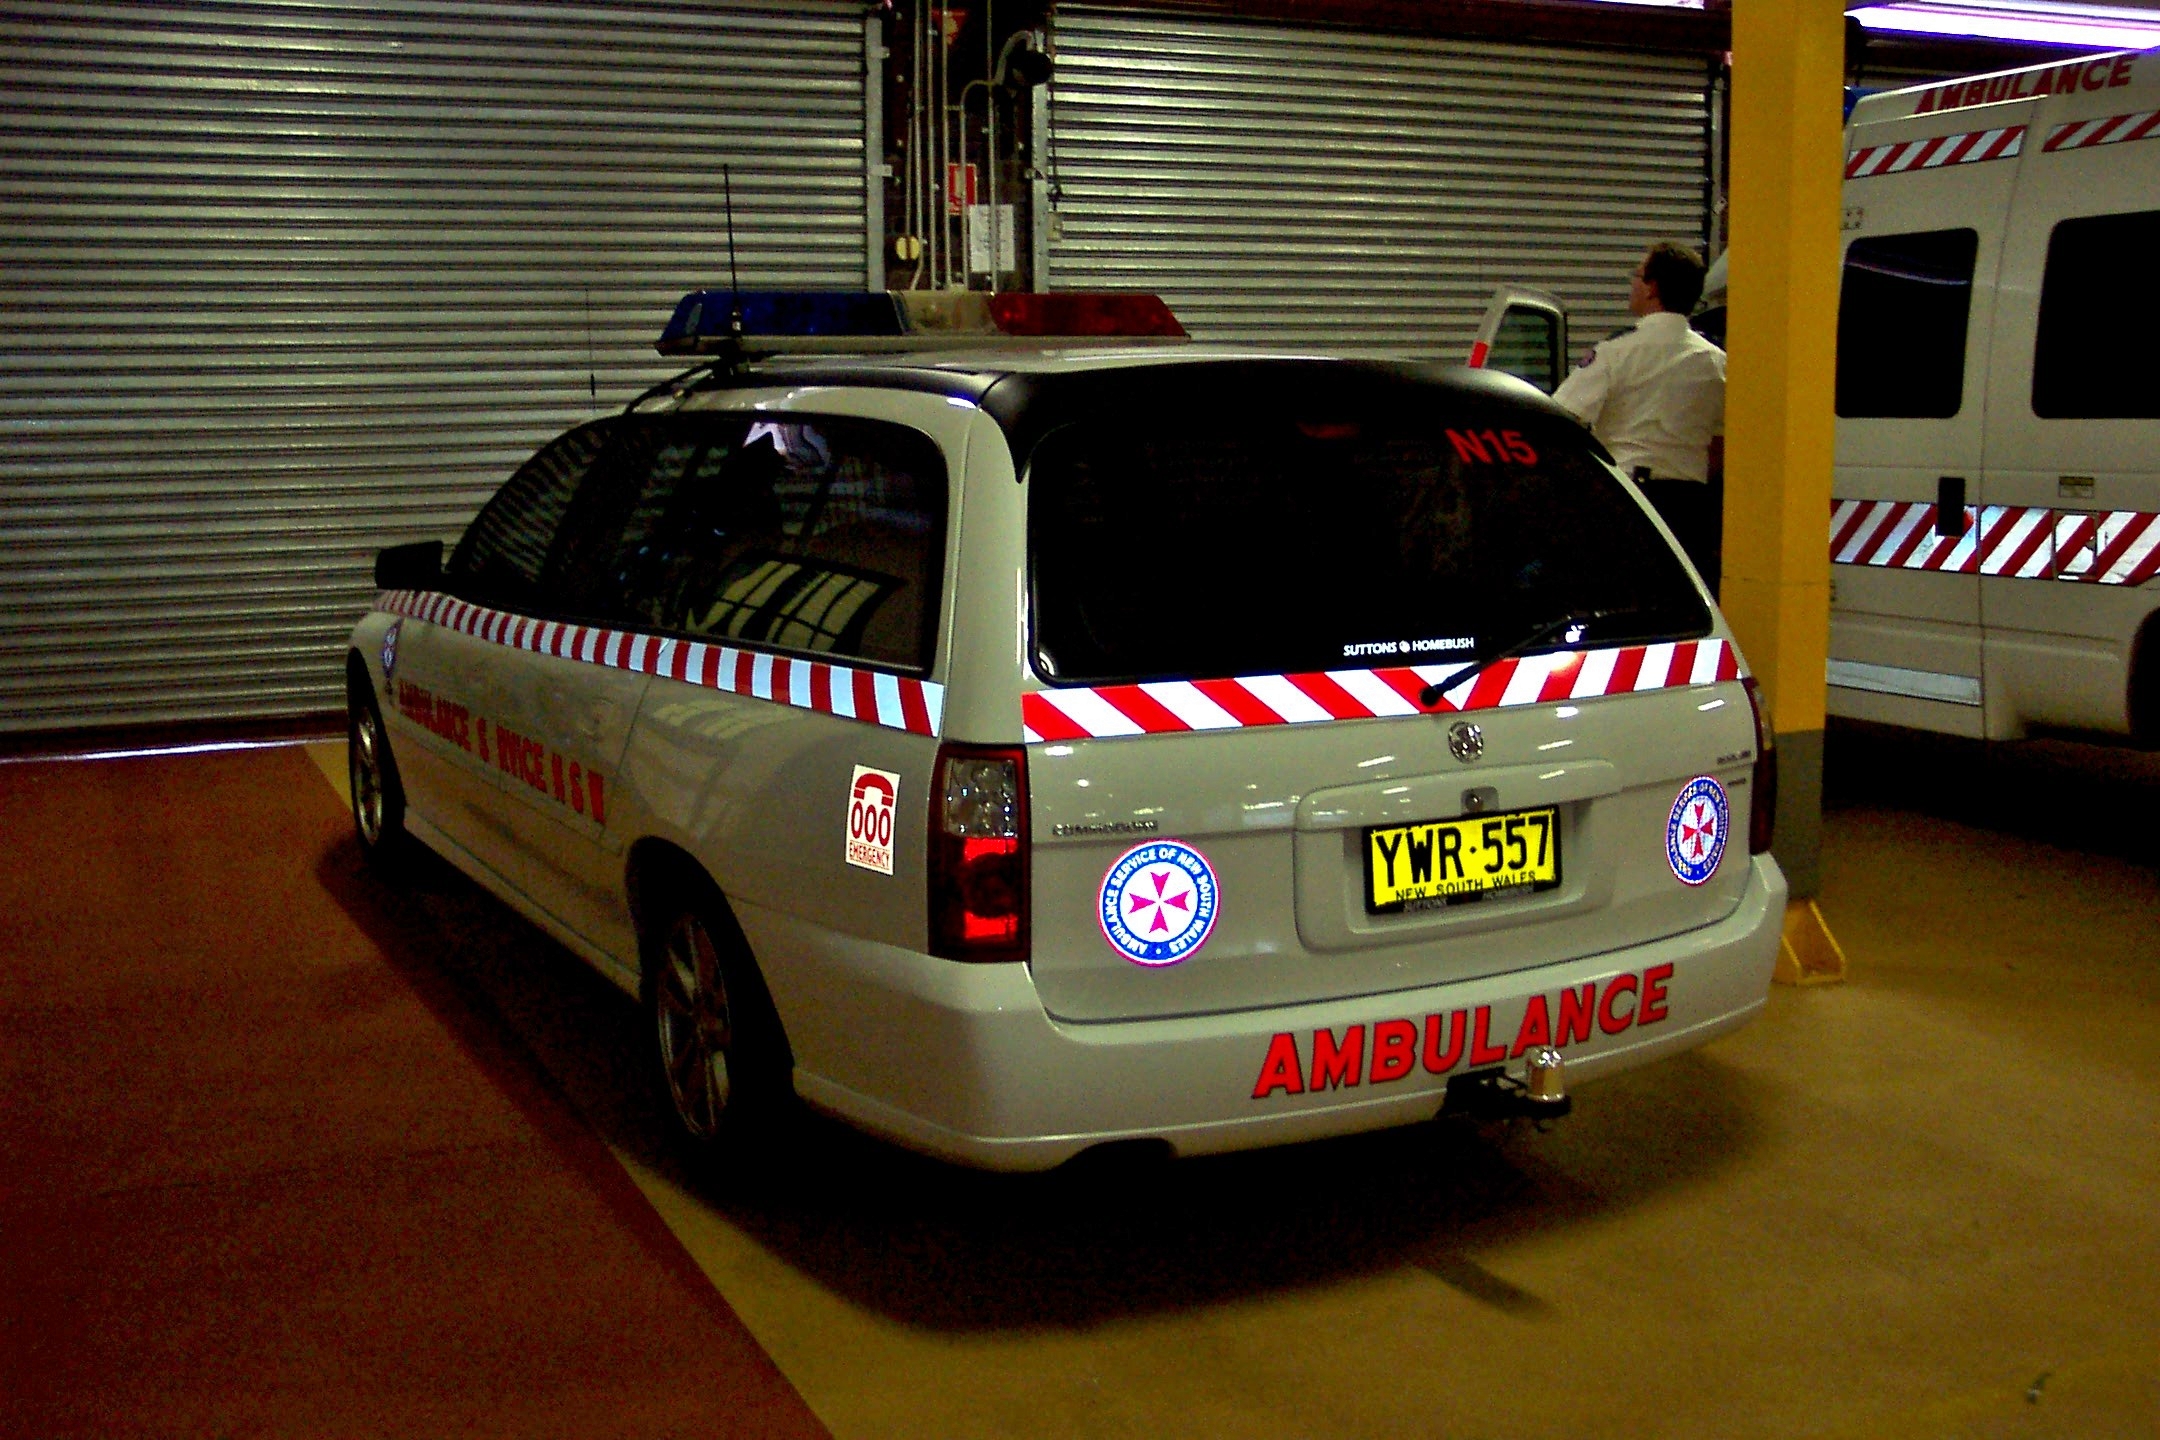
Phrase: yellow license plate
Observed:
(1429, 864)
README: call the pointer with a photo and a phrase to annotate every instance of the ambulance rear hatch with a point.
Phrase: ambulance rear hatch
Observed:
(1356, 678)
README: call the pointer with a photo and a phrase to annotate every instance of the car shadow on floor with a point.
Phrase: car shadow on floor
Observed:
(944, 1247)
(2075, 795)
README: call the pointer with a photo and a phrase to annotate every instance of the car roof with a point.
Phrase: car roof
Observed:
(1029, 390)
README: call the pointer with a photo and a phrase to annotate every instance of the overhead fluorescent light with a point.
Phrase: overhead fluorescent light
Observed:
(2092, 27)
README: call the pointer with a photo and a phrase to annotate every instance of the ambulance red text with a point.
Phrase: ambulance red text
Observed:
(1391, 1050)
(2083, 75)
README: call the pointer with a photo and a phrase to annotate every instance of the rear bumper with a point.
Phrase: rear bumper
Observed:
(961, 1061)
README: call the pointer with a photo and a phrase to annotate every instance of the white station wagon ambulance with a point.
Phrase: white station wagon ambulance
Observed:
(1015, 750)
(1995, 537)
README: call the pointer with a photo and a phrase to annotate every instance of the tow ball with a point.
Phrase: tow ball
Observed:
(1494, 1094)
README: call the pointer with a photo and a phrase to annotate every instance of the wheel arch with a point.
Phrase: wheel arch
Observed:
(656, 870)
(2144, 697)
(658, 874)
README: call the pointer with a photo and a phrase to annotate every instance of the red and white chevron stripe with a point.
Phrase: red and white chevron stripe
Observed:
(898, 703)
(2077, 134)
(1170, 706)
(2023, 542)
(1936, 150)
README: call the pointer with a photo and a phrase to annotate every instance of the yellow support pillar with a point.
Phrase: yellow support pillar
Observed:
(1787, 170)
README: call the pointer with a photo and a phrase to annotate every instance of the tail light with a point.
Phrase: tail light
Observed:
(979, 854)
(1762, 809)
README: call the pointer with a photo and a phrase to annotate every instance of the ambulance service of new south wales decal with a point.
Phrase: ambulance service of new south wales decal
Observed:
(872, 796)
(389, 650)
(1695, 832)
(1158, 902)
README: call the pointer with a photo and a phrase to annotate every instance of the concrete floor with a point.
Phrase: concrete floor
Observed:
(1923, 1203)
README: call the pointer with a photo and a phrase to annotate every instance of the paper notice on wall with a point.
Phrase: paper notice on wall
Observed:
(978, 239)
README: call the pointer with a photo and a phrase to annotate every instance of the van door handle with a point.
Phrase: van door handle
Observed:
(1950, 506)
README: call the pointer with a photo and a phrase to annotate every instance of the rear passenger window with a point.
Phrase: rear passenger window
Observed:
(2099, 306)
(1902, 313)
(500, 559)
(822, 536)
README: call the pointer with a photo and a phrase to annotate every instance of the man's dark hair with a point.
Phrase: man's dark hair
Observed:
(1677, 272)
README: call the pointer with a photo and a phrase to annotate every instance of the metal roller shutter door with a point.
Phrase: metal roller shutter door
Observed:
(289, 281)
(1284, 185)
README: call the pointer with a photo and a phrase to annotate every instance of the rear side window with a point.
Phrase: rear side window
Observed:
(2099, 306)
(1288, 532)
(1902, 314)
(500, 559)
(823, 536)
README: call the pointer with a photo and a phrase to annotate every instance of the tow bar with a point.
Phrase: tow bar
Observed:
(1496, 1095)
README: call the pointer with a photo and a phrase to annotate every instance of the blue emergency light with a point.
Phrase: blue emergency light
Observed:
(708, 322)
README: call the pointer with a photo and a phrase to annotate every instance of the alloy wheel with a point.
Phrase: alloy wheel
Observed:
(367, 778)
(695, 1034)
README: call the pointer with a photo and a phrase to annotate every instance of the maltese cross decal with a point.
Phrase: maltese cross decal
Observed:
(1157, 904)
(1695, 832)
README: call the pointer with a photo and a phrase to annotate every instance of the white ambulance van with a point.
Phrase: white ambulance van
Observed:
(1995, 534)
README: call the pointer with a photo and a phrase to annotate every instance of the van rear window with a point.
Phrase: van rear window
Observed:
(1279, 533)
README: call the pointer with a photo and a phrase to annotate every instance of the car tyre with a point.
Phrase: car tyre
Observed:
(720, 1061)
(378, 796)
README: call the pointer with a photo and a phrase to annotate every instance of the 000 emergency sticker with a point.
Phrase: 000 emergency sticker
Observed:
(872, 796)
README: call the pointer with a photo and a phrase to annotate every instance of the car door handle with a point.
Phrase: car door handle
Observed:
(599, 719)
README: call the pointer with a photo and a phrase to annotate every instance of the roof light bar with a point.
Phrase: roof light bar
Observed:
(773, 321)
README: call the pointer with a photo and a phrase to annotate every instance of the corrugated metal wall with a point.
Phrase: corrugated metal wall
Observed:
(284, 282)
(1287, 185)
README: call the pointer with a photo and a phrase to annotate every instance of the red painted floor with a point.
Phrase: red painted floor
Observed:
(268, 1168)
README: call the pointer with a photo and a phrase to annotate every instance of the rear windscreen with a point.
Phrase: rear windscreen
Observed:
(1267, 536)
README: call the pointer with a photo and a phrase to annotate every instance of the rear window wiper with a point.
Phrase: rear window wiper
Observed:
(1553, 629)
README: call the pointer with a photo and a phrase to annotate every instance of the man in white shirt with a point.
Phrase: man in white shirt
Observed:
(1656, 396)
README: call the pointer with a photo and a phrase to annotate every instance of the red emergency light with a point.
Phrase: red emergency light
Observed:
(708, 322)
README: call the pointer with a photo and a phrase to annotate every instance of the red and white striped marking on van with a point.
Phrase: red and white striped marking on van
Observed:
(2023, 542)
(2077, 134)
(1936, 150)
(871, 696)
(1167, 707)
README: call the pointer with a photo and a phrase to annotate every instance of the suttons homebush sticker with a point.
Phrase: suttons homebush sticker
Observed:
(1391, 1050)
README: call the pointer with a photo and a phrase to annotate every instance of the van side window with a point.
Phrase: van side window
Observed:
(824, 536)
(499, 560)
(2099, 305)
(1902, 312)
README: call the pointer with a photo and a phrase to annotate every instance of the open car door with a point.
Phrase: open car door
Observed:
(1524, 332)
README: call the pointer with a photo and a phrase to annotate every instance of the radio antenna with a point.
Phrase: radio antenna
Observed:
(727, 193)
